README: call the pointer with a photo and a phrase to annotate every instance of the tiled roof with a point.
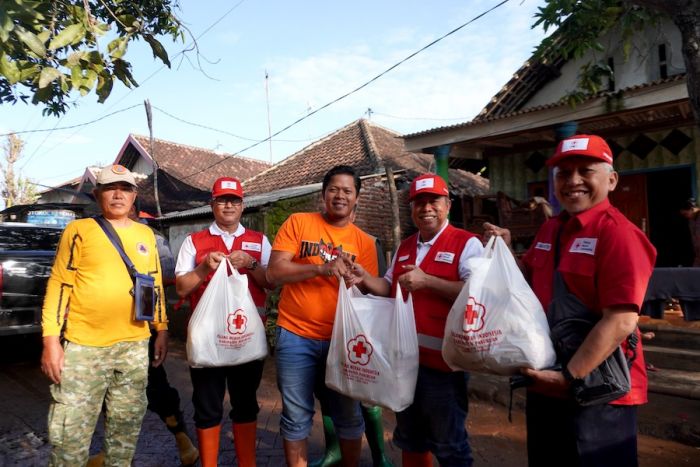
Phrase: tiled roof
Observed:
(199, 167)
(362, 144)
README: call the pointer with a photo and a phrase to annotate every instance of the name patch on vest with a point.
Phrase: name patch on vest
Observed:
(404, 258)
(543, 246)
(584, 245)
(251, 246)
(445, 257)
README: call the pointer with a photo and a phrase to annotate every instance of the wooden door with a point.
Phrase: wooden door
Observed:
(630, 197)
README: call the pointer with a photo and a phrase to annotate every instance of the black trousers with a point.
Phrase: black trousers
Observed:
(560, 432)
(163, 399)
(209, 388)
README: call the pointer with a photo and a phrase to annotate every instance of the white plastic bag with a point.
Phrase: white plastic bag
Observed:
(497, 324)
(373, 355)
(225, 328)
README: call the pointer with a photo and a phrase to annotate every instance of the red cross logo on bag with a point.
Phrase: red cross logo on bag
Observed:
(359, 350)
(236, 322)
(474, 315)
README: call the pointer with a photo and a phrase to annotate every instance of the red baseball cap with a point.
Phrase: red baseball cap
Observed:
(591, 146)
(227, 186)
(428, 183)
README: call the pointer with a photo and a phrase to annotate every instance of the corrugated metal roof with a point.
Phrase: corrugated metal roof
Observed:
(560, 103)
(252, 201)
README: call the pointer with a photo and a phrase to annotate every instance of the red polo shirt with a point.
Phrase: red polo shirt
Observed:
(605, 261)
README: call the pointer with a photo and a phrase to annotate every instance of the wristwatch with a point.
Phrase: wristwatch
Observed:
(569, 377)
(253, 265)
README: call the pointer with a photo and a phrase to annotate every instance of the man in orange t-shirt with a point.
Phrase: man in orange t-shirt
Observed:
(311, 253)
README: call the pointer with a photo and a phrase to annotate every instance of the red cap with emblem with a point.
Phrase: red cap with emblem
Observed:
(590, 146)
(428, 183)
(227, 186)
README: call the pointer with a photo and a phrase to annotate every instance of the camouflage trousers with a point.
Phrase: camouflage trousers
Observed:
(115, 375)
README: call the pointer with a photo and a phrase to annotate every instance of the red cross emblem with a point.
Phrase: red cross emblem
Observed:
(474, 315)
(236, 322)
(359, 350)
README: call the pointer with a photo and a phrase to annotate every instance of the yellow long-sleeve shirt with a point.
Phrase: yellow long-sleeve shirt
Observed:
(89, 285)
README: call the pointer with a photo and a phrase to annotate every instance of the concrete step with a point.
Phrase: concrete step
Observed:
(666, 335)
(672, 358)
(677, 383)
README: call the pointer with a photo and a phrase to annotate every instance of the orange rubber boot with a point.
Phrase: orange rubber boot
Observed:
(209, 445)
(416, 459)
(244, 437)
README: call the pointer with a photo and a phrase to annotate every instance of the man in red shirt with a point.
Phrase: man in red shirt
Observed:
(606, 262)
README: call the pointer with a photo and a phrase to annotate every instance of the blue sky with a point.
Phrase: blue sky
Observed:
(313, 51)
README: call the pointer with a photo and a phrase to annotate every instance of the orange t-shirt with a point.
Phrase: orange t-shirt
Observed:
(307, 308)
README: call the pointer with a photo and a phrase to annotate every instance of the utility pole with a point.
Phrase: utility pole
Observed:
(149, 118)
(269, 124)
(395, 219)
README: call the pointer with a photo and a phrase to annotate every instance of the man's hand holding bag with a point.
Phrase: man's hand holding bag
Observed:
(225, 328)
(497, 324)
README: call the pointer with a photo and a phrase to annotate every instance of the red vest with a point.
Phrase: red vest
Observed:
(204, 243)
(431, 309)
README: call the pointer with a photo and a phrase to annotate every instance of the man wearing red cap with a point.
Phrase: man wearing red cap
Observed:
(199, 257)
(605, 261)
(432, 265)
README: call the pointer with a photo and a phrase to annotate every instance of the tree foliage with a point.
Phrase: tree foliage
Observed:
(49, 49)
(580, 24)
(15, 189)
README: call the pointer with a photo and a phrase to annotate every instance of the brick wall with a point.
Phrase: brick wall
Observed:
(374, 212)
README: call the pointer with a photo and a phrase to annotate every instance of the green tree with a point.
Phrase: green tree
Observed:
(49, 49)
(580, 24)
(15, 189)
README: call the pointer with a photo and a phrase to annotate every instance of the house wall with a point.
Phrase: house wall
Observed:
(642, 65)
(508, 174)
(55, 196)
(374, 213)
(178, 231)
(143, 166)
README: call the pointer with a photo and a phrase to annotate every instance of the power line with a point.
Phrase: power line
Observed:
(362, 86)
(26, 161)
(199, 125)
(69, 127)
(224, 132)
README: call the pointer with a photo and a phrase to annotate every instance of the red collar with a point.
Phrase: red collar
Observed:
(584, 218)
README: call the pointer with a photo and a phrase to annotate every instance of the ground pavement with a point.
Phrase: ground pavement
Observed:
(24, 400)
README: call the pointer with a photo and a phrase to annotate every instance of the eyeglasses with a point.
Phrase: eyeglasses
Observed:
(225, 201)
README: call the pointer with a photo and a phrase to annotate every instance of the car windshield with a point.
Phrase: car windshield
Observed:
(28, 238)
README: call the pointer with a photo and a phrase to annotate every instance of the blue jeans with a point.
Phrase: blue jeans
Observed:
(301, 373)
(435, 421)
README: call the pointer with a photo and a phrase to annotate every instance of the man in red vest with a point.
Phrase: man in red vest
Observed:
(199, 257)
(432, 265)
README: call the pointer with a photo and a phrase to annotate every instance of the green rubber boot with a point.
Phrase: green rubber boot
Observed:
(331, 457)
(374, 432)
